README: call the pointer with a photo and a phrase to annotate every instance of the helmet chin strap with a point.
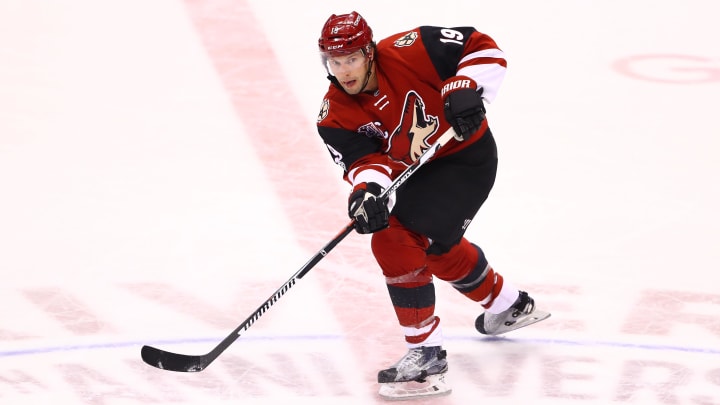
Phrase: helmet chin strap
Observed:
(367, 76)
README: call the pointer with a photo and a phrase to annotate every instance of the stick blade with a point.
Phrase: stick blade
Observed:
(172, 361)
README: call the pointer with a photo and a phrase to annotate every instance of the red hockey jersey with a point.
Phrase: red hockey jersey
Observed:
(376, 134)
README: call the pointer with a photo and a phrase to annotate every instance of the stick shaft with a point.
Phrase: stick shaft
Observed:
(193, 363)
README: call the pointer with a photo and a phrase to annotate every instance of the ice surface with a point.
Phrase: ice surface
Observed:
(160, 177)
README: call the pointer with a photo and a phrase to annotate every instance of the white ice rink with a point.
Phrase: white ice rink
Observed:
(161, 176)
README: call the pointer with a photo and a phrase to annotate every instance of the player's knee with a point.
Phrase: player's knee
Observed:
(456, 262)
(479, 281)
(398, 250)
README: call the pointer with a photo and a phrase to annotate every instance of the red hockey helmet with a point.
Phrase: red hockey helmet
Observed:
(344, 34)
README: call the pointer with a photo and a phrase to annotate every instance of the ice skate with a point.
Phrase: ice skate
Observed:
(522, 313)
(420, 373)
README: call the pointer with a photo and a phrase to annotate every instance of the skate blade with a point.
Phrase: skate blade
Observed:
(433, 385)
(535, 317)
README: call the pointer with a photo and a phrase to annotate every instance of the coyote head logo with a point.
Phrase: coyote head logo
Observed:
(415, 128)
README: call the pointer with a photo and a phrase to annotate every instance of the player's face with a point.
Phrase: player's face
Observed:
(350, 70)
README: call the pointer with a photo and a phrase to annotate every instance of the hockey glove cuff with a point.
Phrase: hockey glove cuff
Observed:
(369, 212)
(464, 108)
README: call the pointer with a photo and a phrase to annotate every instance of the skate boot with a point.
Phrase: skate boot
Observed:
(522, 313)
(420, 373)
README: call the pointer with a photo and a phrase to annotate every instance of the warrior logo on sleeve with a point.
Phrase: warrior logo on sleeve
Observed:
(416, 127)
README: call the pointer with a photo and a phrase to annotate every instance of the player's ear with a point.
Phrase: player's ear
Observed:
(369, 51)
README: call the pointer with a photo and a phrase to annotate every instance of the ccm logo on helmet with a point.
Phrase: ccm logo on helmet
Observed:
(454, 85)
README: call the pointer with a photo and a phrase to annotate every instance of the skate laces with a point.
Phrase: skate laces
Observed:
(417, 361)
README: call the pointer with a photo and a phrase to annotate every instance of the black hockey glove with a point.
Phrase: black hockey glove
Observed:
(370, 213)
(463, 104)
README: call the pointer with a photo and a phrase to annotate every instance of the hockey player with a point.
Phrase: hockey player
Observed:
(386, 104)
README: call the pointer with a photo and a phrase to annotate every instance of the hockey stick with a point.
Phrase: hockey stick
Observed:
(193, 363)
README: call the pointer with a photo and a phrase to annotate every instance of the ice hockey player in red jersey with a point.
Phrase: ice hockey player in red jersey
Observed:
(386, 104)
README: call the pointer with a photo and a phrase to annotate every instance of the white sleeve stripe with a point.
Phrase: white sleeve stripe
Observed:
(374, 167)
(486, 53)
(489, 77)
(372, 176)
